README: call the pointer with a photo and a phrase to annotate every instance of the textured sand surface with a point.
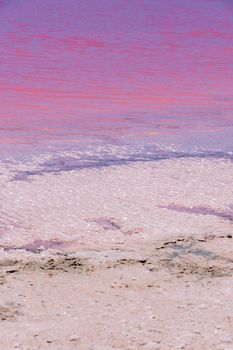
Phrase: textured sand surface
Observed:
(167, 295)
(100, 207)
(134, 257)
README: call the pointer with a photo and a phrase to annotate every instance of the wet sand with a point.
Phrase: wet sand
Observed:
(142, 259)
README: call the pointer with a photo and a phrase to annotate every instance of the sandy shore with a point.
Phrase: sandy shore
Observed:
(166, 295)
(134, 257)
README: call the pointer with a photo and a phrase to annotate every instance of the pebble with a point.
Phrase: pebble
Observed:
(74, 338)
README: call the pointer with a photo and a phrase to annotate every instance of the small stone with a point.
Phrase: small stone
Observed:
(229, 236)
(74, 338)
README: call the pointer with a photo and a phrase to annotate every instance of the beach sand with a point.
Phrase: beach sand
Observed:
(122, 257)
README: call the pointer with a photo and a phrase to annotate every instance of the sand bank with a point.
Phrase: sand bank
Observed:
(123, 257)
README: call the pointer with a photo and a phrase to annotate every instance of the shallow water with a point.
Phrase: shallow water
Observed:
(105, 207)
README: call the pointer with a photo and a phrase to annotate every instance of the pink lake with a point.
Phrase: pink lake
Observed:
(144, 74)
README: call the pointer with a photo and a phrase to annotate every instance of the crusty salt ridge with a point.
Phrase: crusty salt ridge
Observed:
(124, 257)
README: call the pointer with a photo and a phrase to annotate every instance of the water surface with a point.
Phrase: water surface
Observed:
(143, 74)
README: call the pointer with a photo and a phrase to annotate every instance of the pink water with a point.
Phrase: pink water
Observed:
(133, 74)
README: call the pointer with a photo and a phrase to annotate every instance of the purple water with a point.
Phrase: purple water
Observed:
(106, 78)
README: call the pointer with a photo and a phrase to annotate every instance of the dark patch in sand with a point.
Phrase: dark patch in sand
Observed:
(111, 224)
(200, 210)
(66, 263)
(134, 231)
(197, 268)
(201, 256)
(63, 164)
(62, 264)
(2, 279)
(9, 312)
(204, 253)
(105, 222)
(40, 245)
(191, 257)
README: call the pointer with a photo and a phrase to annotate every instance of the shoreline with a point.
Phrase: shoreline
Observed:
(206, 248)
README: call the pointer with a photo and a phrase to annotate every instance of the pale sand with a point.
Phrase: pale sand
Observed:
(130, 257)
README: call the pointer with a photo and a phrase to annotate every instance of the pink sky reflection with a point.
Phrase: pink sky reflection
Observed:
(115, 68)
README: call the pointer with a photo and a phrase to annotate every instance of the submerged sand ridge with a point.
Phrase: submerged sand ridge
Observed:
(124, 257)
(97, 207)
